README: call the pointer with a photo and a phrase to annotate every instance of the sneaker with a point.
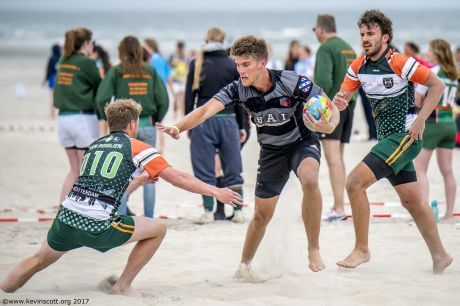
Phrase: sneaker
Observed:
(333, 216)
(207, 217)
(238, 216)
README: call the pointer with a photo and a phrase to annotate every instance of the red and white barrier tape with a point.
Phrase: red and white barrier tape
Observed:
(28, 209)
(29, 128)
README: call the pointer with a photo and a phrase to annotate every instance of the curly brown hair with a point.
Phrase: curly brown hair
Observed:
(372, 17)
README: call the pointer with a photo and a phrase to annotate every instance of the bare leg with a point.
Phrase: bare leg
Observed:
(444, 157)
(336, 168)
(149, 234)
(311, 210)
(360, 178)
(75, 157)
(421, 168)
(411, 200)
(28, 267)
(264, 209)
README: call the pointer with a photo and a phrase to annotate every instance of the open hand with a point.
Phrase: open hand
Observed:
(228, 196)
(340, 101)
(170, 130)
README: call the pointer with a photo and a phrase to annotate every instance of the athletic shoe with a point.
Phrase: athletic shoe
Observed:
(238, 216)
(207, 217)
(333, 216)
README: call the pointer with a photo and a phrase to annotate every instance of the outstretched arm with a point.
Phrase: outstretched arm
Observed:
(196, 117)
(190, 183)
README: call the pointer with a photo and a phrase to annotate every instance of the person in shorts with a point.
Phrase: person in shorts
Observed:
(387, 77)
(88, 215)
(288, 139)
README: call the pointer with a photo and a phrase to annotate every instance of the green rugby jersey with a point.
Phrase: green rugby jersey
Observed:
(76, 84)
(443, 112)
(109, 164)
(389, 84)
(147, 89)
(333, 58)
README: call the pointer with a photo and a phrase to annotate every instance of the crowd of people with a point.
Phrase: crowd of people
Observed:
(215, 98)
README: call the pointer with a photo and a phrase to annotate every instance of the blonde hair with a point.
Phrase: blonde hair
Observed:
(441, 49)
(74, 40)
(213, 35)
(250, 46)
(121, 112)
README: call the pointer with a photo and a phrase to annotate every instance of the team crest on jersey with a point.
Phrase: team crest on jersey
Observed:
(388, 82)
(285, 103)
(305, 84)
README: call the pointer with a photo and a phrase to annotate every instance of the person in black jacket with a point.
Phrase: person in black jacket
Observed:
(51, 72)
(221, 134)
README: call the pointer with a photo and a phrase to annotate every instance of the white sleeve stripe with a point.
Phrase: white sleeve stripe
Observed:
(146, 161)
(412, 70)
(407, 66)
(352, 77)
(352, 73)
(144, 153)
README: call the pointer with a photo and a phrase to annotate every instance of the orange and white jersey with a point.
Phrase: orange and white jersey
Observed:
(389, 85)
(147, 158)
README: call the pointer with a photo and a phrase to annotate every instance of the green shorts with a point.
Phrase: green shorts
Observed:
(439, 135)
(62, 237)
(398, 151)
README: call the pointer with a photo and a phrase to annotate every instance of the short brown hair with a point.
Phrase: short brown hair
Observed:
(121, 112)
(250, 46)
(372, 17)
(326, 22)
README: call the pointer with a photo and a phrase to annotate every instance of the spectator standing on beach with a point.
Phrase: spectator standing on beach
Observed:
(74, 96)
(293, 55)
(134, 79)
(102, 59)
(179, 65)
(440, 130)
(51, 72)
(162, 67)
(333, 58)
(413, 50)
(208, 73)
(305, 65)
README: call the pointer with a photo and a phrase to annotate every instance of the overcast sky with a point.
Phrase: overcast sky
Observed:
(227, 4)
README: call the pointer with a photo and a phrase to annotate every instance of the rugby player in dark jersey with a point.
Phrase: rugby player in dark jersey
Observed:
(287, 138)
(88, 215)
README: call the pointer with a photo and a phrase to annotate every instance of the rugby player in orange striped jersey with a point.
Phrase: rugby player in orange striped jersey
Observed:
(388, 78)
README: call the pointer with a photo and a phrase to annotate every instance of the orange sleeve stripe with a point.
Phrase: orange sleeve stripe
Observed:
(138, 146)
(350, 81)
(409, 69)
(421, 74)
(156, 165)
(397, 63)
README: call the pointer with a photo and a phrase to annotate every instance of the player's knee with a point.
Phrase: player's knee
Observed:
(353, 183)
(261, 218)
(309, 181)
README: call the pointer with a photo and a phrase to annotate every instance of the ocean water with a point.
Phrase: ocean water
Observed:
(41, 28)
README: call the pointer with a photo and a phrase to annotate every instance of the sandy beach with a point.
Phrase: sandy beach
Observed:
(195, 264)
